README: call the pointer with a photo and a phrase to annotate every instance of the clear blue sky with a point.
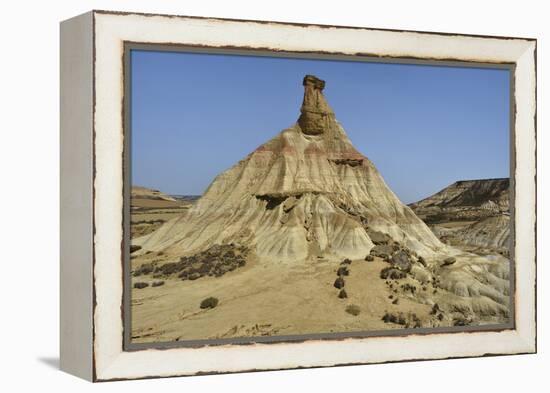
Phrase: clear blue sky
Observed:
(424, 127)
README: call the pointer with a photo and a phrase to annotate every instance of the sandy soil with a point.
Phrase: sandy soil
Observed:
(294, 300)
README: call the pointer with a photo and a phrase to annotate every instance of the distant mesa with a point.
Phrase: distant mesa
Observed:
(470, 213)
(473, 193)
(143, 197)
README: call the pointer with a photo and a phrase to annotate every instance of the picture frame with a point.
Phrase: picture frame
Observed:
(95, 179)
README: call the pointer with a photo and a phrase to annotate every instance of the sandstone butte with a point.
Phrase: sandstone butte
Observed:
(304, 194)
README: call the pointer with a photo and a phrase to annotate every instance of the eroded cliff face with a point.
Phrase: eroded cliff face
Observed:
(306, 193)
(470, 213)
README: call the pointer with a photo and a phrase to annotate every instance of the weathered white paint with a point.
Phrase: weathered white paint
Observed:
(76, 172)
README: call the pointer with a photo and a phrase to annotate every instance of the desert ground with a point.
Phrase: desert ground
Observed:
(262, 298)
(303, 300)
(151, 208)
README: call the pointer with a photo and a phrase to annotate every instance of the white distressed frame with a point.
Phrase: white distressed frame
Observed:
(111, 30)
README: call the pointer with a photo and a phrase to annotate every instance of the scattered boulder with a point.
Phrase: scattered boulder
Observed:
(448, 261)
(170, 268)
(379, 238)
(141, 285)
(381, 250)
(146, 268)
(343, 271)
(346, 262)
(339, 283)
(209, 302)
(401, 261)
(342, 294)
(408, 288)
(369, 258)
(392, 273)
(422, 261)
(157, 283)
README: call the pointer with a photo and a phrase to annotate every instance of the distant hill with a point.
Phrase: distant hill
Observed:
(186, 198)
(470, 212)
(149, 193)
(470, 193)
(151, 208)
(143, 197)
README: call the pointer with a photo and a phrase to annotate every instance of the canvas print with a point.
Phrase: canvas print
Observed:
(276, 197)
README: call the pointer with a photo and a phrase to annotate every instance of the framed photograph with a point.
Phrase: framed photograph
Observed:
(248, 195)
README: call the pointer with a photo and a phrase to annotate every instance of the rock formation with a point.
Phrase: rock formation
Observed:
(316, 115)
(484, 194)
(470, 213)
(307, 193)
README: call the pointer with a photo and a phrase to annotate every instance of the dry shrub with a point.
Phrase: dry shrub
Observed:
(343, 271)
(393, 273)
(209, 302)
(353, 309)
